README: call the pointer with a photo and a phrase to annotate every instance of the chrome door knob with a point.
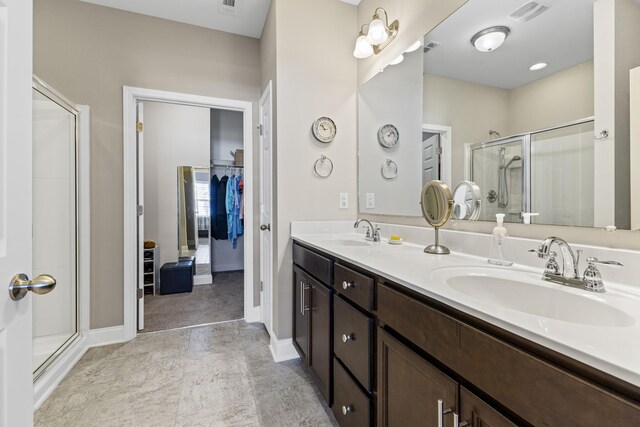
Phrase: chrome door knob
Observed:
(264, 227)
(347, 337)
(346, 285)
(346, 409)
(20, 285)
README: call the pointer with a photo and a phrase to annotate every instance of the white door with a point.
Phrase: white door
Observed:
(266, 226)
(430, 157)
(140, 197)
(16, 374)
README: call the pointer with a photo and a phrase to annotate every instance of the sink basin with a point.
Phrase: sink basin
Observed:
(355, 243)
(500, 288)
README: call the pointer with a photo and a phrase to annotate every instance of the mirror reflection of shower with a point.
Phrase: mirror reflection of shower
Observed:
(503, 190)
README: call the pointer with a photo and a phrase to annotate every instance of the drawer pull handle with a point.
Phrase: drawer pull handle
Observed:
(347, 337)
(346, 410)
(346, 285)
(457, 423)
(442, 412)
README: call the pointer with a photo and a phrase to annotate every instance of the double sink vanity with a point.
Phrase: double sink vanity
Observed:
(397, 337)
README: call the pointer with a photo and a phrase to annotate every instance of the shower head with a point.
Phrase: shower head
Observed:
(513, 159)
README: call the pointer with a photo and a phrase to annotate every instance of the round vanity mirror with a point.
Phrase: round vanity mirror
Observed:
(466, 201)
(436, 202)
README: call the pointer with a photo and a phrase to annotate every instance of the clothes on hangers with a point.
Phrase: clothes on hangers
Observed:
(221, 210)
(234, 224)
(213, 205)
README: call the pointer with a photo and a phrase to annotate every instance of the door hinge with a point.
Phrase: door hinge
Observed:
(261, 286)
(261, 129)
(439, 151)
(140, 293)
(139, 126)
(140, 210)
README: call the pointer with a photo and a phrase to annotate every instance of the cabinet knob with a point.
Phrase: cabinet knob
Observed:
(346, 285)
(347, 337)
(346, 410)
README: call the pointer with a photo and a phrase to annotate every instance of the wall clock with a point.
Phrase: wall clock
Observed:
(388, 136)
(324, 129)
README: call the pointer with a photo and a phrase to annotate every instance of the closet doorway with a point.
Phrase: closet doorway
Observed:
(190, 239)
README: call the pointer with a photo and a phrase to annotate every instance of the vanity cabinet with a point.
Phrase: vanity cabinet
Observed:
(384, 355)
(313, 315)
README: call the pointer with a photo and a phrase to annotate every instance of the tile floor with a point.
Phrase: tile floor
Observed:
(216, 375)
(220, 301)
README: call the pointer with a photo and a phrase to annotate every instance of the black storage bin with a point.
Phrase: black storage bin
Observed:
(190, 259)
(176, 277)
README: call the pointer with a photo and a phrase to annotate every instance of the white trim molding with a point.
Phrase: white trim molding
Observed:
(446, 142)
(282, 350)
(106, 336)
(253, 315)
(202, 279)
(130, 97)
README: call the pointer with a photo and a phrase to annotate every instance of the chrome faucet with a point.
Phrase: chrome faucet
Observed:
(569, 276)
(373, 233)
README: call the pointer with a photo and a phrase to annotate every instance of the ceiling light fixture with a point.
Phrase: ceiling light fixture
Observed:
(378, 34)
(398, 60)
(538, 66)
(490, 39)
(414, 47)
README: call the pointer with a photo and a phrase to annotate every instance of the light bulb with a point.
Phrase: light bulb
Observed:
(377, 33)
(538, 66)
(363, 48)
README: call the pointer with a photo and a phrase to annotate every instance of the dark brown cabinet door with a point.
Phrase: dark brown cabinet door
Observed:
(409, 387)
(301, 287)
(477, 413)
(320, 359)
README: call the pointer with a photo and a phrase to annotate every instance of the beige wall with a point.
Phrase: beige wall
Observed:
(88, 53)
(470, 109)
(416, 17)
(174, 135)
(560, 98)
(316, 74)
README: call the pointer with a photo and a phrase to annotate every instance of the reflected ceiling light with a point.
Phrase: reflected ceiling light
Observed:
(414, 46)
(379, 33)
(538, 66)
(490, 39)
(398, 60)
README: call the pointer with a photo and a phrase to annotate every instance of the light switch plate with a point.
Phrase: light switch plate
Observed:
(371, 200)
(344, 200)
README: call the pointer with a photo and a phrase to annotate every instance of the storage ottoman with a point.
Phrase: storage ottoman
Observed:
(176, 277)
(190, 259)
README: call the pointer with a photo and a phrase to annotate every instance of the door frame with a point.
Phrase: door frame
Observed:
(130, 96)
(446, 144)
(268, 93)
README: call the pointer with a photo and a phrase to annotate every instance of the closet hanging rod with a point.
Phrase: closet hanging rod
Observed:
(221, 164)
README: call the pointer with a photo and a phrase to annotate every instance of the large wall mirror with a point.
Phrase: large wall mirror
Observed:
(541, 123)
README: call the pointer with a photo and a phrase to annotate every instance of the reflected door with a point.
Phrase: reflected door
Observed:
(55, 316)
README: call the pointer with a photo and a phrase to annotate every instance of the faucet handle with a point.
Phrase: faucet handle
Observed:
(552, 265)
(538, 252)
(593, 260)
(592, 275)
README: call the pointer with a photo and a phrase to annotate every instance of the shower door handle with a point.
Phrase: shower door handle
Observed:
(20, 285)
(265, 227)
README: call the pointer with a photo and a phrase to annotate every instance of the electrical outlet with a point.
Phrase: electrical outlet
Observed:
(344, 200)
(371, 201)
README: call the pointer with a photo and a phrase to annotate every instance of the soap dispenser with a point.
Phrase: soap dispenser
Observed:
(496, 257)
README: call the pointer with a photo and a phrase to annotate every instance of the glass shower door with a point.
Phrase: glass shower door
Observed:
(55, 133)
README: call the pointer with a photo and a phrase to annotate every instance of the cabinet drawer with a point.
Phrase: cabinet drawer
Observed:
(351, 406)
(429, 329)
(352, 342)
(537, 391)
(354, 286)
(318, 266)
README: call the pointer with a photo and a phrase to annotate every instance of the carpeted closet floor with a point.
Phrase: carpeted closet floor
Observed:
(220, 301)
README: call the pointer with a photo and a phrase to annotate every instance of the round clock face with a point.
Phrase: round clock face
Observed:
(388, 136)
(324, 129)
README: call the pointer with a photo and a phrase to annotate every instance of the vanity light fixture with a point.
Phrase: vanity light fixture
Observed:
(414, 47)
(538, 66)
(490, 39)
(376, 35)
(398, 60)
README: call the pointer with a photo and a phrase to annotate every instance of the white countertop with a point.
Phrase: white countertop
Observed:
(612, 349)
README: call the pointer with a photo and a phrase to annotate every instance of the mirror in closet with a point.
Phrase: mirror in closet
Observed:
(539, 122)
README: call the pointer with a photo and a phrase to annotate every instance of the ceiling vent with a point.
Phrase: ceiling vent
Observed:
(227, 7)
(528, 11)
(430, 45)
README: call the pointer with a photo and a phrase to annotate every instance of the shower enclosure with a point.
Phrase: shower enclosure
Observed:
(549, 172)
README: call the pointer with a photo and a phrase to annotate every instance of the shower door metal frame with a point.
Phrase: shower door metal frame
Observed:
(50, 93)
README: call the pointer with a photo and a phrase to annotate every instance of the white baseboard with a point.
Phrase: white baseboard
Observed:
(202, 279)
(55, 373)
(105, 336)
(282, 350)
(253, 315)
